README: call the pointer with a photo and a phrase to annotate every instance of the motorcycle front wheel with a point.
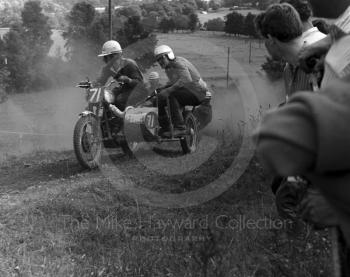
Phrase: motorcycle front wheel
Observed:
(87, 141)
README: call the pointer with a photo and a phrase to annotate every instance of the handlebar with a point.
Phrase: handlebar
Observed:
(85, 84)
(154, 93)
(88, 84)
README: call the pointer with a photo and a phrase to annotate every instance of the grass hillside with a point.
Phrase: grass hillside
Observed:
(57, 219)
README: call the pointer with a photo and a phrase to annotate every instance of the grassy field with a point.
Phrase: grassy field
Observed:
(60, 220)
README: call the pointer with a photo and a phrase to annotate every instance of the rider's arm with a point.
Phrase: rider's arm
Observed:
(132, 71)
(179, 75)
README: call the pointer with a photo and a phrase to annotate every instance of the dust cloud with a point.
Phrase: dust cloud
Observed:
(242, 104)
(39, 121)
(45, 120)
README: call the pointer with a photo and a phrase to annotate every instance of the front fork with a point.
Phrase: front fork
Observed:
(99, 111)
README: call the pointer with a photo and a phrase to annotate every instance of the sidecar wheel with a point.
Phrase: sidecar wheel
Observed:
(87, 142)
(189, 142)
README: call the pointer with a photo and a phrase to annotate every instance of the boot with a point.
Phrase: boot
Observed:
(177, 117)
(164, 125)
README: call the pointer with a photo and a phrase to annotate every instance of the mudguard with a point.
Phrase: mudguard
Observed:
(204, 114)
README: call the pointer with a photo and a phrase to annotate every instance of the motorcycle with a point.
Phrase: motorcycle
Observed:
(102, 124)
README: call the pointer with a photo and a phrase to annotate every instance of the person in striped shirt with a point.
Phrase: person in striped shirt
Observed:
(295, 78)
(288, 27)
(286, 31)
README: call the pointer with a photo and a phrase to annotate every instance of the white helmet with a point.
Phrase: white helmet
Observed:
(110, 47)
(153, 75)
(164, 49)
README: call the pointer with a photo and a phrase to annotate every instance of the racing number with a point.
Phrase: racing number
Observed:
(150, 120)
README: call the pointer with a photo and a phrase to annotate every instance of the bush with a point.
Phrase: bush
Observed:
(216, 24)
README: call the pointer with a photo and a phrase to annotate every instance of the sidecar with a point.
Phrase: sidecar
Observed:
(141, 124)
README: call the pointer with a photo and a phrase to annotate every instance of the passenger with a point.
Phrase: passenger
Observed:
(185, 87)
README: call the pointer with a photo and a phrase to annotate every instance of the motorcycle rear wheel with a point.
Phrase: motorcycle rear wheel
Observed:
(87, 142)
(189, 143)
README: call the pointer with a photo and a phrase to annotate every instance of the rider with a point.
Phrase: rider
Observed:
(125, 71)
(185, 87)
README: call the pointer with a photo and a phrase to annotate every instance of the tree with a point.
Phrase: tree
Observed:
(83, 35)
(9, 16)
(18, 65)
(193, 22)
(181, 22)
(79, 19)
(188, 9)
(228, 3)
(4, 73)
(263, 4)
(202, 5)
(214, 5)
(134, 30)
(37, 31)
(130, 11)
(150, 23)
(26, 47)
(216, 24)
(85, 40)
(167, 25)
(249, 25)
(234, 23)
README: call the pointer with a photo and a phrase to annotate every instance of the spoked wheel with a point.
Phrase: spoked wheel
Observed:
(189, 142)
(87, 141)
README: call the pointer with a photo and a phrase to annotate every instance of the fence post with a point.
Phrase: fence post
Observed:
(250, 51)
(110, 18)
(228, 66)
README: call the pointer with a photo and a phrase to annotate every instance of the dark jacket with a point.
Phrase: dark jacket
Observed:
(310, 136)
(127, 67)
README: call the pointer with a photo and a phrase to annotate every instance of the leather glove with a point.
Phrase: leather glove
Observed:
(288, 198)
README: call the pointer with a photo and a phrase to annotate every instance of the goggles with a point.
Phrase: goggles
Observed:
(160, 58)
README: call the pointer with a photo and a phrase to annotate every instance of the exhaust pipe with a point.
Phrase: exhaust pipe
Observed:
(116, 111)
